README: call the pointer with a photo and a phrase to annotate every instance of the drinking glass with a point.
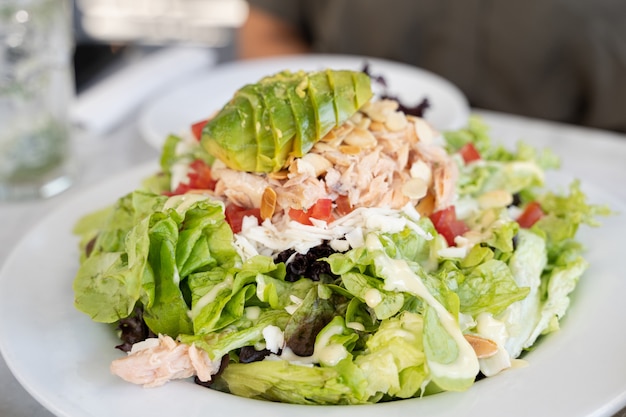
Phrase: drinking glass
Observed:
(36, 90)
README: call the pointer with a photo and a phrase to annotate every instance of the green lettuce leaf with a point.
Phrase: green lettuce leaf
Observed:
(489, 287)
(394, 362)
(522, 317)
(144, 252)
(220, 295)
(109, 282)
(247, 331)
(282, 381)
(498, 168)
(165, 309)
(565, 213)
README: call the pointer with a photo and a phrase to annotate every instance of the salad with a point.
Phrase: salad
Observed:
(311, 243)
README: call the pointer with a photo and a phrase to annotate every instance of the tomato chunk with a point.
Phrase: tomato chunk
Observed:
(197, 127)
(199, 178)
(531, 214)
(300, 216)
(234, 215)
(321, 210)
(448, 225)
(469, 153)
(343, 205)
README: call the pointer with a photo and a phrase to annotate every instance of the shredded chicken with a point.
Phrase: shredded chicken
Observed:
(242, 188)
(368, 159)
(155, 361)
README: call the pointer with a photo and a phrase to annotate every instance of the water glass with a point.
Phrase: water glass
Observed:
(36, 90)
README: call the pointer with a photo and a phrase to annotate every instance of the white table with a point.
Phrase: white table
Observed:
(596, 156)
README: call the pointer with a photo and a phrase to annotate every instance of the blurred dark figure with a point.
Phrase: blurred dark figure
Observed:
(562, 60)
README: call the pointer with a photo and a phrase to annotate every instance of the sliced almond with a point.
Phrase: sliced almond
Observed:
(396, 121)
(356, 118)
(426, 205)
(329, 137)
(321, 147)
(364, 123)
(415, 188)
(279, 175)
(268, 203)
(420, 169)
(318, 162)
(484, 348)
(362, 138)
(376, 126)
(380, 110)
(343, 130)
(349, 149)
(423, 130)
(289, 161)
(495, 199)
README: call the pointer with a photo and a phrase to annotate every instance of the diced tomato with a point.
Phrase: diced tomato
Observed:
(181, 189)
(321, 210)
(234, 215)
(199, 178)
(531, 214)
(469, 153)
(343, 205)
(197, 127)
(300, 216)
(447, 224)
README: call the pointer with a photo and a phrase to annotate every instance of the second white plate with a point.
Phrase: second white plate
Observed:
(201, 96)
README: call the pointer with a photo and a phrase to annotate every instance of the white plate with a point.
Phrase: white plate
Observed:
(61, 357)
(201, 96)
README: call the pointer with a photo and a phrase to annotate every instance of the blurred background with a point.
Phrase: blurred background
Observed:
(108, 32)
(551, 59)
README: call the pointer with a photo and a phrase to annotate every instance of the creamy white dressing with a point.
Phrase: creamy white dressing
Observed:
(490, 328)
(331, 355)
(182, 203)
(372, 297)
(327, 353)
(453, 252)
(288, 355)
(399, 277)
(355, 325)
(210, 296)
(260, 287)
(176, 277)
(252, 312)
